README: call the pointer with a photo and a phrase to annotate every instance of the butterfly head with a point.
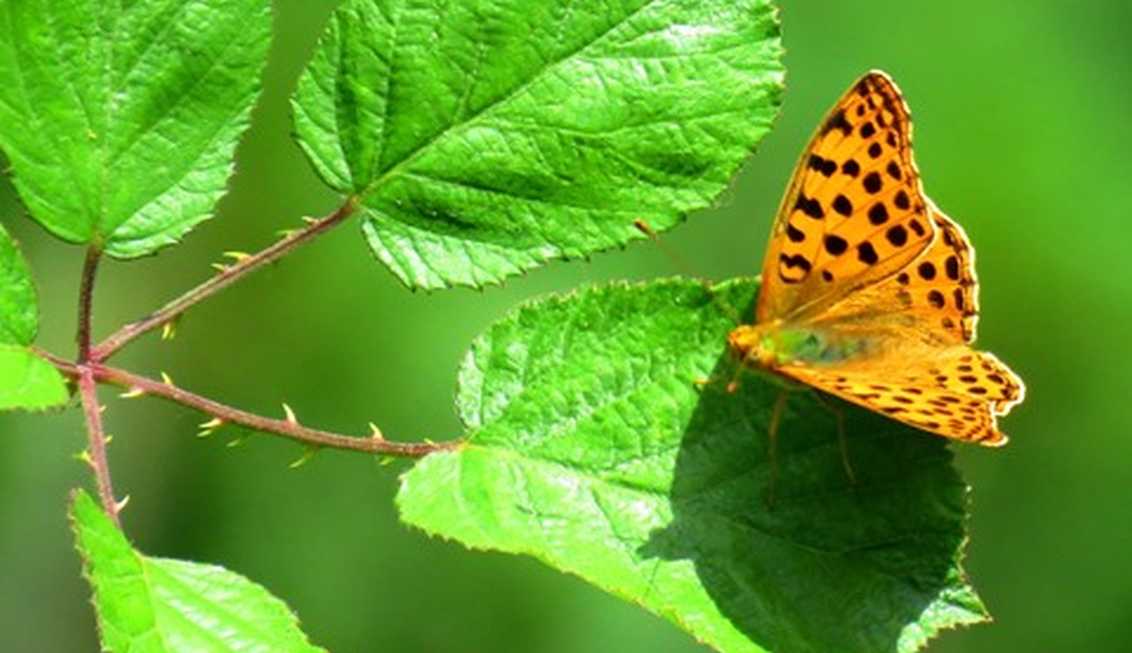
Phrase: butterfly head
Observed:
(757, 344)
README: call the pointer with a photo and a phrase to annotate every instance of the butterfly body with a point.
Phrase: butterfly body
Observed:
(774, 345)
(868, 289)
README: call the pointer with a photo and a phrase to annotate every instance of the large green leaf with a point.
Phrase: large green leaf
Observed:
(592, 448)
(489, 136)
(26, 381)
(155, 605)
(120, 118)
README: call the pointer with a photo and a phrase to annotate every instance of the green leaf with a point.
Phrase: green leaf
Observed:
(19, 318)
(26, 381)
(120, 119)
(485, 138)
(155, 605)
(592, 448)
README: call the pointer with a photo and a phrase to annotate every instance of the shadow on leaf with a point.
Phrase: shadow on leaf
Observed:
(832, 566)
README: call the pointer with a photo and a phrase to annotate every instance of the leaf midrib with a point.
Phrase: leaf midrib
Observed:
(423, 148)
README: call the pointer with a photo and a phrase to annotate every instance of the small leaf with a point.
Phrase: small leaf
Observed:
(170, 606)
(19, 317)
(26, 381)
(593, 448)
(486, 138)
(120, 119)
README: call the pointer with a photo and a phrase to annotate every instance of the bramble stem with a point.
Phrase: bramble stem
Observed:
(92, 410)
(86, 302)
(222, 280)
(228, 415)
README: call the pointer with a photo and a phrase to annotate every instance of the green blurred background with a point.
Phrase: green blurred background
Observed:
(1022, 129)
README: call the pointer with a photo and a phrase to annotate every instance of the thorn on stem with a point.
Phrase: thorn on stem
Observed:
(209, 427)
(237, 256)
(167, 380)
(169, 330)
(291, 419)
(305, 458)
(219, 267)
(119, 506)
(375, 432)
(132, 393)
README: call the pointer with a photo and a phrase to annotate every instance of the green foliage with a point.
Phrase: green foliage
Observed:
(120, 119)
(19, 318)
(485, 138)
(157, 605)
(592, 449)
(26, 381)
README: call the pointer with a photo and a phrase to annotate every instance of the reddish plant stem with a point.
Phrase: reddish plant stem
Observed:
(229, 415)
(219, 282)
(97, 437)
(92, 410)
(86, 302)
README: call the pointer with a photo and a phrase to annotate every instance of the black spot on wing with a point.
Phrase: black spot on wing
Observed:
(867, 254)
(795, 261)
(842, 205)
(835, 245)
(838, 121)
(897, 235)
(951, 266)
(878, 214)
(809, 206)
(872, 183)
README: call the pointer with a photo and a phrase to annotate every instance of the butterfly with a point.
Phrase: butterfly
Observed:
(868, 289)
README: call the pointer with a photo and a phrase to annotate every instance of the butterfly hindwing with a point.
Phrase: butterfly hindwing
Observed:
(959, 393)
(854, 211)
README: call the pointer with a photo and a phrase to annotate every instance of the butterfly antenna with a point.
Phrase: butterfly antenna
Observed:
(683, 268)
(677, 261)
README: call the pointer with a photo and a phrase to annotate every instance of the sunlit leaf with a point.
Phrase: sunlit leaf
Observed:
(488, 137)
(158, 605)
(120, 119)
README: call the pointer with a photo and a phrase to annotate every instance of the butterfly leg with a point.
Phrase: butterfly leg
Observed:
(843, 442)
(772, 445)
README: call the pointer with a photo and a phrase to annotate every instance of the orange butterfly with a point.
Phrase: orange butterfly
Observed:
(868, 289)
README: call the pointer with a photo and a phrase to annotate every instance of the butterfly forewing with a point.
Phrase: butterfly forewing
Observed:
(934, 299)
(854, 212)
